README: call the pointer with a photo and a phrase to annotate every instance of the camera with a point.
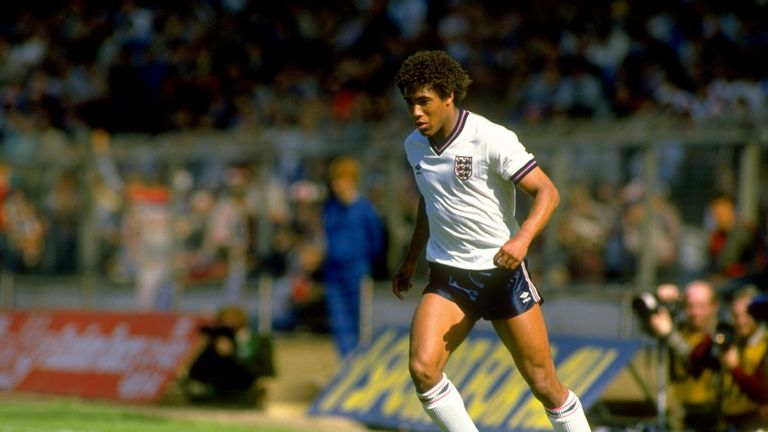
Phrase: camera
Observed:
(723, 338)
(646, 304)
(215, 330)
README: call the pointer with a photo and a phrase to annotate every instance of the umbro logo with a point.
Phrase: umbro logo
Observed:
(418, 169)
(525, 297)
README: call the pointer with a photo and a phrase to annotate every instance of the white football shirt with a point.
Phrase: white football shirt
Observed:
(468, 188)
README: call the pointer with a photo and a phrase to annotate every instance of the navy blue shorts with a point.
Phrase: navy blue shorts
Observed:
(497, 293)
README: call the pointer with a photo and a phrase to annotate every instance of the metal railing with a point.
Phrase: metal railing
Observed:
(564, 147)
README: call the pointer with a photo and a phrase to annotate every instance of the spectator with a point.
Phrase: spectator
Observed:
(583, 229)
(6, 188)
(62, 211)
(353, 242)
(24, 229)
(741, 360)
(232, 364)
(189, 229)
(109, 204)
(298, 302)
(736, 249)
(538, 93)
(147, 239)
(623, 249)
(692, 399)
(607, 49)
(227, 236)
(580, 94)
(148, 233)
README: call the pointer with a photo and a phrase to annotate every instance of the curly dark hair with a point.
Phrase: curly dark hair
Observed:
(436, 70)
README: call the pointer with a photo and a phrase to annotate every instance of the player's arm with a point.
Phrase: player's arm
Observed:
(546, 198)
(401, 281)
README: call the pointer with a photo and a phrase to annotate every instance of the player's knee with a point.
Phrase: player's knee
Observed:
(546, 387)
(424, 374)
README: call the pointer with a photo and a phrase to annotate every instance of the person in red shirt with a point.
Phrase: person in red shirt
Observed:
(736, 249)
(742, 363)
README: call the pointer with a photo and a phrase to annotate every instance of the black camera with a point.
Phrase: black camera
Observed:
(722, 339)
(214, 331)
(724, 336)
(647, 304)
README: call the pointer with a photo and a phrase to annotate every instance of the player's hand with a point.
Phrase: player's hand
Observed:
(511, 254)
(401, 281)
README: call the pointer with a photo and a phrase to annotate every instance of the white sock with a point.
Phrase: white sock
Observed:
(443, 404)
(569, 417)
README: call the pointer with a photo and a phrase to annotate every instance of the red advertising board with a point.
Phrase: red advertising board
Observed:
(112, 355)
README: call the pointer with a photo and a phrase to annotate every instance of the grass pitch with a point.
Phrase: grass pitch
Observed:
(75, 415)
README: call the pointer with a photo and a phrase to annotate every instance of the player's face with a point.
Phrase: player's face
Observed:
(430, 113)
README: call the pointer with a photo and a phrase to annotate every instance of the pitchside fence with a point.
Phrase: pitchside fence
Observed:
(682, 163)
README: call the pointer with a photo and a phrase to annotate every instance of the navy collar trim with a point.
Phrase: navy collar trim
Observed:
(457, 128)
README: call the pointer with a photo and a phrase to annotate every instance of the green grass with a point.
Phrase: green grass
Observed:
(74, 415)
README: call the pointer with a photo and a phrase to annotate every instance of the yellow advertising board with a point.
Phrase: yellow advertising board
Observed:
(374, 387)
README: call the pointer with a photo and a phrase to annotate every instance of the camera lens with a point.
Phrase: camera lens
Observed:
(645, 304)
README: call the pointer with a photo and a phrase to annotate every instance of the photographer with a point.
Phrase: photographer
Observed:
(743, 365)
(231, 363)
(692, 398)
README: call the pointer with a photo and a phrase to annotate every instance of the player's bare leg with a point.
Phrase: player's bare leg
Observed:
(438, 328)
(525, 336)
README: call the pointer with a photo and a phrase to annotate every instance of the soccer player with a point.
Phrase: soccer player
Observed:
(466, 168)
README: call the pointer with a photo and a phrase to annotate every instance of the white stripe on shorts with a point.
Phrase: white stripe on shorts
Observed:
(534, 291)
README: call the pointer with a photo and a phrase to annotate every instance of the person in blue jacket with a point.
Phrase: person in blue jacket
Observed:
(354, 236)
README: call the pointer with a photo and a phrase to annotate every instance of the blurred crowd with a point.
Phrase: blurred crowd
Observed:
(133, 65)
(294, 70)
(603, 233)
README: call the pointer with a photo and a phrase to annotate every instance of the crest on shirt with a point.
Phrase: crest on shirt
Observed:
(462, 167)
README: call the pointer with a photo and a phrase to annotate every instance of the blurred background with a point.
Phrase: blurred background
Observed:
(172, 156)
